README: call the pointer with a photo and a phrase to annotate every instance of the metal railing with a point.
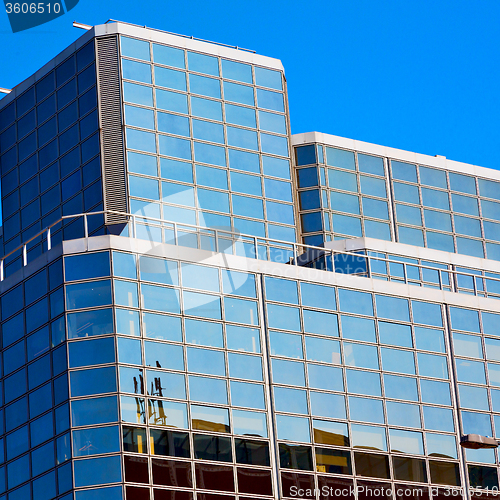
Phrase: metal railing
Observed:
(221, 240)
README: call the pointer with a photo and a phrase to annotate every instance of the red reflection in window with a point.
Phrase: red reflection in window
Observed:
(214, 477)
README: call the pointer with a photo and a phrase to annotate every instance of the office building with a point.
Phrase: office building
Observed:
(197, 305)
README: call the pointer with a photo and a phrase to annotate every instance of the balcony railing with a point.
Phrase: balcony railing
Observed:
(225, 240)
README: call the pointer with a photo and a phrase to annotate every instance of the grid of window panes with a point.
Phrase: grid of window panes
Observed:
(49, 155)
(207, 141)
(476, 348)
(34, 418)
(347, 198)
(192, 409)
(361, 386)
(446, 210)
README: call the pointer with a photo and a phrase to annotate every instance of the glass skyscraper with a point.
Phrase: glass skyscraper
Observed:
(197, 305)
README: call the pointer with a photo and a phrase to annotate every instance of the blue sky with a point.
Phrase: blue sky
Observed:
(421, 76)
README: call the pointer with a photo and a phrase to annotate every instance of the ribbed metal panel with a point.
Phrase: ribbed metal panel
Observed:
(110, 115)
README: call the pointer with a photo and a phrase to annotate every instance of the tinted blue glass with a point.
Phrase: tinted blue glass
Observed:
(208, 390)
(320, 322)
(285, 344)
(204, 305)
(138, 49)
(158, 270)
(293, 428)
(90, 294)
(236, 71)
(325, 377)
(430, 365)
(473, 397)
(94, 411)
(238, 283)
(97, 471)
(202, 63)
(238, 93)
(286, 318)
(288, 372)
(171, 385)
(240, 115)
(96, 441)
(290, 400)
(95, 381)
(358, 329)
(204, 86)
(206, 361)
(429, 340)
(250, 395)
(364, 383)
(392, 307)
(435, 392)
(138, 94)
(360, 355)
(281, 290)
(398, 361)
(246, 367)
(400, 387)
(464, 319)
(133, 70)
(243, 160)
(395, 334)
(243, 183)
(129, 351)
(318, 296)
(140, 140)
(322, 350)
(270, 100)
(160, 298)
(208, 153)
(173, 124)
(366, 410)
(161, 355)
(476, 422)
(176, 170)
(355, 302)
(427, 313)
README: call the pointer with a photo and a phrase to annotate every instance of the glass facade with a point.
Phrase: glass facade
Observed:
(138, 369)
(207, 142)
(349, 194)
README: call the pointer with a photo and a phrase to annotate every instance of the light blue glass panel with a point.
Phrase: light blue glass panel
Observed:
(168, 55)
(160, 298)
(133, 70)
(355, 302)
(361, 356)
(139, 117)
(467, 345)
(238, 93)
(340, 158)
(96, 441)
(347, 225)
(140, 140)
(281, 290)
(242, 138)
(325, 377)
(204, 305)
(286, 318)
(406, 441)
(176, 170)
(327, 405)
(213, 200)
(401, 387)
(366, 436)
(490, 209)
(202, 85)
(366, 410)
(233, 70)
(372, 186)
(398, 361)
(440, 445)
(431, 365)
(247, 207)
(145, 208)
(270, 100)
(464, 319)
(239, 115)
(293, 428)
(171, 78)
(276, 167)
(243, 160)
(203, 63)
(142, 164)
(288, 372)
(206, 108)
(138, 49)
(491, 231)
(241, 311)
(321, 323)
(250, 423)
(206, 361)
(467, 226)
(473, 397)
(489, 188)
(143, 187)
(208, 131)
(435, 199)
(273, 144)
(161, 355)
(392, 308)
(279, 212)
(493, 251)
(290, 400)
(212, 177)
(173, 124)
(237, 283)
(396, 334)
(408, 214)
(375, 208)
(367, 383)
(410, 236)
(249, 227)
(406, 193)
(126, 293)
(404, 171)
(158, 270)
(268, 78)
(207, 390)
(344, 202)
(438, 419)
(462, 183)
(433, 177)
(201, 277)
(492, 349)
(471, 371)
(286, 344)
(90, 294)
(358, 329)
(245, 367)
(172, 146)
(324, 350)
(208, 153)
(272, 122)
(440, 241)
(168, 413)
(429, 340)
(470, 247)
(426, 313)
(403, 414)
(249, 395)
(203, 333)
(171, 101)
(279, 190)
(241, 338)
(435, 392)
(437, 220)
(464, 204)
(478, 423)
(138, 94)
(341, 180)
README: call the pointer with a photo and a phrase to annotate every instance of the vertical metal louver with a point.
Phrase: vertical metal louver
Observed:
(110, 115)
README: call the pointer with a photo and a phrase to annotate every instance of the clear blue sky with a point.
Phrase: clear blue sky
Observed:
(417, 75)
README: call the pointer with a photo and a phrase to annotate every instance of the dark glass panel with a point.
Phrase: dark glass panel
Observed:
(84, 56)
(295, 457)
(334, 487)
(409, 469)
(171, 473)
(172, 495)
(65, 71)
(86, 79)
(12, 302)
(307, 177)
(305, 155)
(214, 477)
(137, 493)
(67, 116)
(70, 162)
(92, 196)
(333, 461)
(26, 146)
(369, 490)
(87, 101)
(88, 125)
(255, 481)
(26, 124)
(134, 440)
(170, 443)
(45, 109)
(136, 469)
(66, 94)
(45, 86)
(372, 465)
(25, 101)
(85, 266)
(90, 148)
(252, 452)
(292, 484)
(7, 116)
(47, 154)
(29, 191)
(68, 139)
(212, 447)
(49, 177)
(483, 477)
(412, 492)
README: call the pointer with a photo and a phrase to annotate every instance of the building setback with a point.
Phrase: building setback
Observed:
(197, 305)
